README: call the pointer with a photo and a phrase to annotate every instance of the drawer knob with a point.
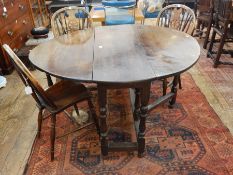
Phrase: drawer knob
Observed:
(4, 13)
(21, 7)
(24, 22)
(10, 33)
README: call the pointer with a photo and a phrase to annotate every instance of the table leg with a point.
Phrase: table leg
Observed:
(174, 90)
(102, 97)
(137, 105)
(145, 96)
(49, 80)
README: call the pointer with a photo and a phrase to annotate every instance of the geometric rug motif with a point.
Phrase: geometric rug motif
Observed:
(188, 139)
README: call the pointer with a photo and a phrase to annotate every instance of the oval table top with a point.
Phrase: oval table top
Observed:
(118, 54)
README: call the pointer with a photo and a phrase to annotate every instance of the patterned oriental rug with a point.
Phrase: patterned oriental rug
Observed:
(189, 139)
(216, 84)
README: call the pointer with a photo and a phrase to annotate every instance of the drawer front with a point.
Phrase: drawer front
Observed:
(15, 9)
(21, 26)
(18, 42)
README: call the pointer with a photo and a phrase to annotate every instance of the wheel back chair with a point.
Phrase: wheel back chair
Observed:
(178, 17)
(70, 19)
(204, 19)
(119, 12)
(223, 27)
(190, 3)
(55, 99)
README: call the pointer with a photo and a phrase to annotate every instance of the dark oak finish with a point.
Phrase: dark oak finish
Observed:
(223, 27)
(178, 17)
(15, 26)
(70, 19)
(125, 56)
(62, 58)
(55, 99)
(148, 53)
(204, 19)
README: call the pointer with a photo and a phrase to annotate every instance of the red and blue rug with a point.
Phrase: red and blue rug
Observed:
(189, 139)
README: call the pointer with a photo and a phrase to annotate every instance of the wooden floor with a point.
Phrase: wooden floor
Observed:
(18, 118)
(18, 124)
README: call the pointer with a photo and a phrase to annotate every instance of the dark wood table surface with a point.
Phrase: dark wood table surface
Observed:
(125, 56)
(138, 51)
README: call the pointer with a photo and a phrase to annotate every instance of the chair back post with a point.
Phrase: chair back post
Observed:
(204, 5)
(223, 10)
(69, 19)
(29, 80)
(177, 16)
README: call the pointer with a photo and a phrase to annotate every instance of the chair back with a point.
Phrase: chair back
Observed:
(70, 19)
(204, 6)
(28, 79)
(119, 12)
(177, 16)
(223, 9)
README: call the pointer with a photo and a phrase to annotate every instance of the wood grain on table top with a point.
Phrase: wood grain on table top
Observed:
(119, 54)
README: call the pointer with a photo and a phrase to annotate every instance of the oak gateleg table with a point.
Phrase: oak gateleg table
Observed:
(125, 56)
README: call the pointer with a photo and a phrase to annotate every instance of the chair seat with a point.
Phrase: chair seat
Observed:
(65, 93)
(204, 17)
(117, 20)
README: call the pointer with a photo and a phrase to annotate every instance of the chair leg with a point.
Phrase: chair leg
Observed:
(179, 81)
(76, 109)
(164, 86)
(93, 113)
(40, 118)
(137, 105)
(52, 135)
(220, 49)
(49, 80)
(207, 35)
(173, 90)
(198, 26)
(211, 44)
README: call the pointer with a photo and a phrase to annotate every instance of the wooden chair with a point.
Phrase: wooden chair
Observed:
(204, 19)
(223, 27)
(70, 19)
(67, 20)
(178, 17)
(55, 99)
(190, 3)
(119, 12)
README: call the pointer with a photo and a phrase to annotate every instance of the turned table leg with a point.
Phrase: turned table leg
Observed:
(137, 105)
(145, 96)
(174, 90)
(49, 80)
(102, 97)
